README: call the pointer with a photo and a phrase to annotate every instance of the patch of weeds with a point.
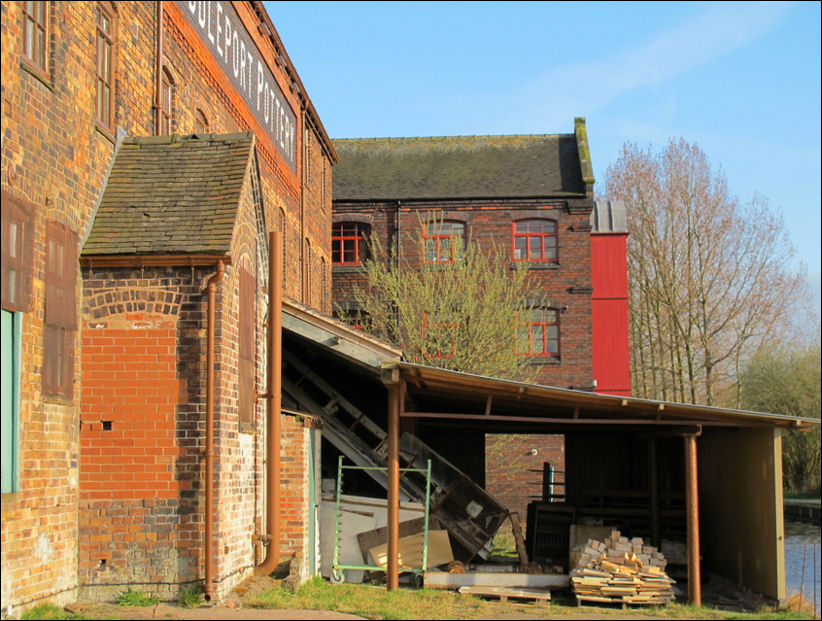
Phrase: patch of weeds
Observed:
(48, 611)
(131, 597)
(190, 596)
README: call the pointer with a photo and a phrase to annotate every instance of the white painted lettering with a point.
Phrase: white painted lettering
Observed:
(219, 27)
(201, 14)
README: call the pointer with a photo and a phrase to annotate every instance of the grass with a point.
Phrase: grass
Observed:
(190, 596)
(48, 611)
(374, 602)
(136, 598)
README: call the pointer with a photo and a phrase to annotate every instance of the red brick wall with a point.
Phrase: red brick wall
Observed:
(56, 158)
(567, 285)
(514, 467)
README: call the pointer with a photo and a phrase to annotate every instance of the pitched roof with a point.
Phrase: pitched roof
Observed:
(172, 195)
(542, 165)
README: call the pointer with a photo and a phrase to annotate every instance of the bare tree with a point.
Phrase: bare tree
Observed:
(458, 315)
(710, 278)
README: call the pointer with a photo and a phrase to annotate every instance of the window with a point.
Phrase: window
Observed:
(166, 104)
(444, 241)
(247, 368)
(201, 125)
(105, 61)
(35, 34)
(348, 245)
(61, 311)
(537, 332)
(535, 240)
(354, 316)
(10, 398)
(439, 336)
(17, 253)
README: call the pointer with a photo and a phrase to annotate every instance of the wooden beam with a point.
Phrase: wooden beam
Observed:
(571, 421)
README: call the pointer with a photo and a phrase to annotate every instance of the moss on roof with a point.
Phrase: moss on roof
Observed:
(172, 195)
(542, 165)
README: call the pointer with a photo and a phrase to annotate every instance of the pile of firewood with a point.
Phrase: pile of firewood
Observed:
(620, 570)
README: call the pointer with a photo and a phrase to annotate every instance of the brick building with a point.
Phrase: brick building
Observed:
(533, 197)
(148, 148)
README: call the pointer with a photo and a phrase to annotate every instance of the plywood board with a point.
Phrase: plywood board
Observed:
(410, 551)
(444, 580)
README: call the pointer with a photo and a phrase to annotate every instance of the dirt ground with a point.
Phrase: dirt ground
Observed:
(716, 592)
(233, 608)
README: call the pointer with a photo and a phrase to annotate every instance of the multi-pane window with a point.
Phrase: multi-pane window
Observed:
(35, 33)
(537, 332)
(105, 71)
(201, 125)
(348, 245)
(444, 241)
(17, 252)
(439, 335)
(535, 240)
(60, 311)
(357, 318)
(166, 104)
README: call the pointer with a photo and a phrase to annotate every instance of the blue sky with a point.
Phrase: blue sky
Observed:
(740, 79)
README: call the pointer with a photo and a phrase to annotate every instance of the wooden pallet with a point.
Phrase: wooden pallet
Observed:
(622, 603)
(506, 593)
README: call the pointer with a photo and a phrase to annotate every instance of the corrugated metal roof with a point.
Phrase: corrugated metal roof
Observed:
(546, 165)
(172, 195)
(518, 401)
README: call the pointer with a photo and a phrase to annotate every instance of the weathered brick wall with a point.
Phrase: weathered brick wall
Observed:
(55, 157)
(514, 466)
(141, 431)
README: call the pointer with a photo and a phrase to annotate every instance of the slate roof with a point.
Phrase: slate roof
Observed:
(172, 195)
(458, 167)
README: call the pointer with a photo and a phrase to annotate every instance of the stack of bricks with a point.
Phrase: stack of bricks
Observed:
(620, 570)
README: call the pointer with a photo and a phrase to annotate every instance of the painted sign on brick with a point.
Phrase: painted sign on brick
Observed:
(221, 30)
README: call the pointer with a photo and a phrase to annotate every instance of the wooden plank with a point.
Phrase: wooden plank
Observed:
(504, 593)
(444, 580)
(373, 538)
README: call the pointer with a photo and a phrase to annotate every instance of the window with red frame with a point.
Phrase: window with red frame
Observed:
(357, 318)
(537, 332)
(35, 34)
(348, 243)
(444, 241)
(439, 336)
(535, 240)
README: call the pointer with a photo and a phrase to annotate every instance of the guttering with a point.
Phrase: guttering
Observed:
(158, 69)
(274, 377)
(153, 260)
(211, 291)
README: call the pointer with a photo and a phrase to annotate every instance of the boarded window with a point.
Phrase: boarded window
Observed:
(247, 354)
(17, 253)
(60, 311)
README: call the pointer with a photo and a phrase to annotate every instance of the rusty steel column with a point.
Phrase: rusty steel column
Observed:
(274, 381)
(393, 575)
(211, 291)
(692, 515)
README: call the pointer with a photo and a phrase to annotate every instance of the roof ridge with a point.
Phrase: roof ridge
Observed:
(464, 136)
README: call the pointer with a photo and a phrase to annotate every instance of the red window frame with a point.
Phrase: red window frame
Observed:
(348, 243)
(537, 332)
(535, 239)
(35, 34)
(431, 324)
(438, 241)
